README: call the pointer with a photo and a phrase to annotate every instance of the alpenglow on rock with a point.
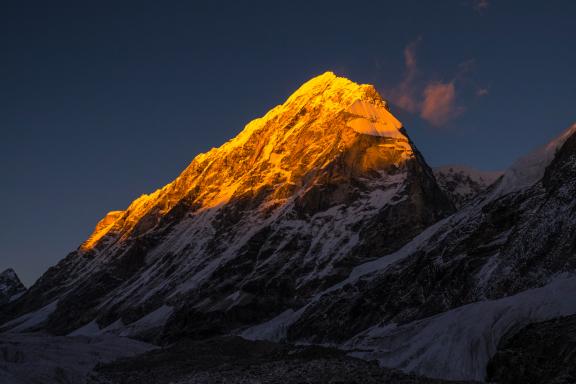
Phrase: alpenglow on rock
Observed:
(320, 184)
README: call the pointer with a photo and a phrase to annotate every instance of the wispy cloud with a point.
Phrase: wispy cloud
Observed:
(480, 6)
(404, 95)
(434, 101)
(439, 104)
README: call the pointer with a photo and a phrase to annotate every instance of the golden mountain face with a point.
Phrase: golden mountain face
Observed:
(329, 131)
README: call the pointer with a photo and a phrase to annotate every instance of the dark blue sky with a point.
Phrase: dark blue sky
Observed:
(103, 101)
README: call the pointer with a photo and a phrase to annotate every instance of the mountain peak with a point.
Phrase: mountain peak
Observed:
(369, 112)
(324, 119)
(340, 91)
(329, 84)
(9, 273)
(462, 183)
(10, 285)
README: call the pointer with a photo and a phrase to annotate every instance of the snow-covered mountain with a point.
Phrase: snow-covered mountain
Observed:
(321, 223)
(320, 184)
(10, 286)
(462, 184)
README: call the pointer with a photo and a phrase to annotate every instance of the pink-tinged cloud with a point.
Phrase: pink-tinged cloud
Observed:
(439, 105)
(434, 101)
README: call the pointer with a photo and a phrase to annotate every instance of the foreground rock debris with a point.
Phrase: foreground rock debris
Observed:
(234, 360)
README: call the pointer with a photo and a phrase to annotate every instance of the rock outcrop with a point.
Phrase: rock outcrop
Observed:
(463, 184)
(10, 286)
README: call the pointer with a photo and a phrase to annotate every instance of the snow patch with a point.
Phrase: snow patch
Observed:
(274, 329)
(374, 120)
(152, 320)
(458, 344)
(90, 329)
(30, 320)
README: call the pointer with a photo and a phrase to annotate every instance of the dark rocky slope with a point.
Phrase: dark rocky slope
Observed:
(540, 353)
